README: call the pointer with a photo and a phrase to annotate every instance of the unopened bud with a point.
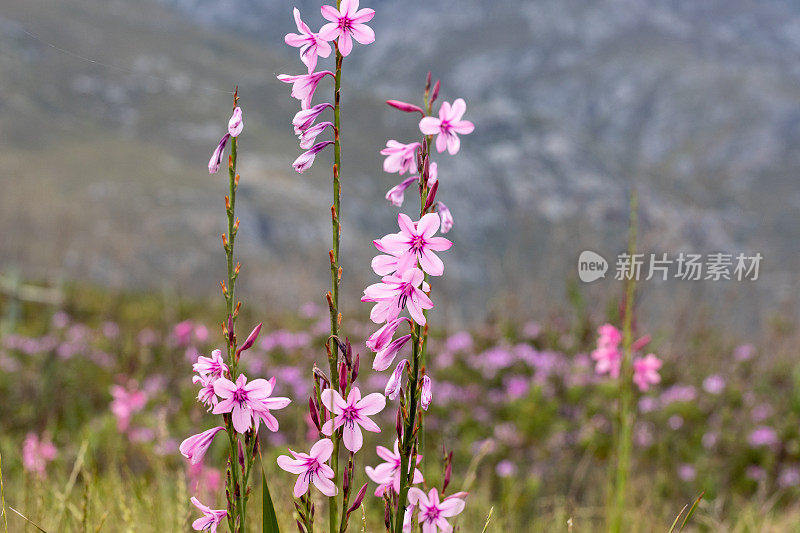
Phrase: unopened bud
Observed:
(248, 343)
(435, 93)
(404, 106)
(359, 499)
(312, 409)
(342, 377)
(431, 195)
(355, 368)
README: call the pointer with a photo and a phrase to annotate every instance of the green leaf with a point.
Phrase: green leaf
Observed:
(269, 521)
(691, 511)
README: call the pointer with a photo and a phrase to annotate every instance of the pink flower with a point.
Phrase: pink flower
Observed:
(607, 354)
(235, 124)
(395, 292)
(216, 157)
(306, 159)
(446, 216)
(213, 366)
(415, 242)
(426, 393)
(36, 453)
(263, 414)
(206, 394)
(211, 517)
(308, 137)
(385, 357)
(352, 414)
(381, 338)
(400, 157)
(393, 385)
(387, 474)
(304, 85)
(347, 23)
(196, 446)
(309, 43)
(447, 126)
(306, 117)
(125, 404)
(396, 194)
(645, 371)
(311, 468)
(245, 400)
(433, 513)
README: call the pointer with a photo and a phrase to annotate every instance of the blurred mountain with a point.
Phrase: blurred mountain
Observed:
(110, 109)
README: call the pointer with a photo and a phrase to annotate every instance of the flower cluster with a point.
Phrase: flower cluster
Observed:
(345, 24)
(608, 358)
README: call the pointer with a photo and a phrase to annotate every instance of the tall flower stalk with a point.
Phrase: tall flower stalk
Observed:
(407, 264)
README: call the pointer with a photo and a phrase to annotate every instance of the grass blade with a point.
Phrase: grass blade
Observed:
(675, 522)
(269, 521)
(28, 520)
(488, 519)
(691, 511)
(3, 496)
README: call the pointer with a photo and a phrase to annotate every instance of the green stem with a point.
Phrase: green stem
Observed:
(626, 416)
(3, 498)
(408, 431)
(333, 358)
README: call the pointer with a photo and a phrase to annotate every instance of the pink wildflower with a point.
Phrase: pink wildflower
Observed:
(244, 400)
(36, 453)
(446, 216)
(381, 338)
(304, 85)
(447, 126)
(311, 468)
(211, 517)
(309, 43)
(400, 157)
(206, 394)
(645, 371)
(347, 23)
(426, 394)
(125, 404)
(396, 194)
(387, 474)
(415, 242)
(392, 389)
(263, 414)
(235, 124)
(433, 513)
(607, 354)
(308, 137)
(384, 358)
(216, 157)
(304, 118)
(352, 414)
(395, 292)
(306, 159)
(196, 446)
(213, 366)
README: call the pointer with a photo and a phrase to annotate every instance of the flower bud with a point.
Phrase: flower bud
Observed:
(431, 195)
(404, 106)
(342, 377)
(248, 343)
(426, 394)
(446, 217)
(355, 368)
(435, 93)
(393, 385)
(359, 499)
(312, 409)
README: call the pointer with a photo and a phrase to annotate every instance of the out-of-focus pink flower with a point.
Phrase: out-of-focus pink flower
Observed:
(608, 355)
(433, 514)
(211, 517)
(686, 472)
(385, 357)
(448, 126)
(714, 384)
(304, 85)
(196, 446)
(744, 352)
(236, 124)
(309, 43)
(763, 436)
(216, 157)
(416, 242)
(645, 371)
(311, 468)
(506, 468)
(395, 292)
(353, 414)
(213, 366)
(387, 474)
(304, 118)
(204, 480)
(243, 400)
(400, 157)
(36, 453)
(396, 194)
(446, 216)
(306, 159)
(347, 23)
(125, 403)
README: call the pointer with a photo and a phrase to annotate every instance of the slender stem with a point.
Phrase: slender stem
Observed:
(333, 357)
(408, 431)
(625, 384)
(3, 498)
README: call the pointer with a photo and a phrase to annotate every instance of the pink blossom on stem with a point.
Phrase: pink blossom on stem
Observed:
(216, 157)
(400, 157)
(244, 400)
(125, 404)
(426, 394)
(416, 242)
(395, 292)
(433, 513)
(36, 453)
(306, 117)
(384, 358)
(446, 216)
(381, 338)
(304, 85)
(196, 446)
(347, 23)
(608, 355)
(306, 159)
(213, 366)
(353, 414)
(308, 137)
(645, 371)
(309, 43)
(448, 126)
(387, 474)
(211, 517)
(392, 389)
(206, 394)
(396, 194)
(311, 468)
(235, 124)
(262, 414)
(405, 106)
